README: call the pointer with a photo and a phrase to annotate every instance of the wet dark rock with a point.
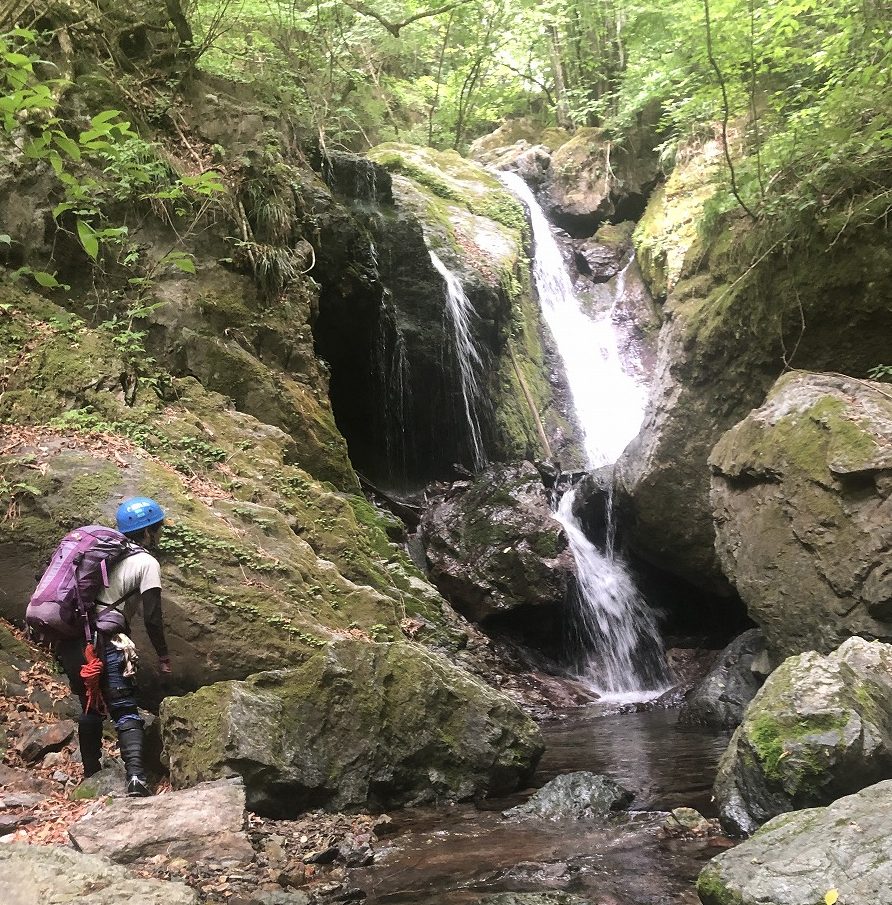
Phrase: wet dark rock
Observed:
(356, 725)
(45, 738)
(820, 727)
(492, 545)
(797, 858)
(738, 673)
(575, 796)
(203, 823)
(802, 496)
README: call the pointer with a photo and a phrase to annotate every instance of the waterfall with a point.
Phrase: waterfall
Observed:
(460, 311)
(609, 402)
(615, 630)
(621, 653)
(391, 371)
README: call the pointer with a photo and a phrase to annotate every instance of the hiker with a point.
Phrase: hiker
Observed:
(112, 656)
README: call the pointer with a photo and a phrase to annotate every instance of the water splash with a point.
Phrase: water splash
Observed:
(615, 631)
(460, 312)
(609, 402)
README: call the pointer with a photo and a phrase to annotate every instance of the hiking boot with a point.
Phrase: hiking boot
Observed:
(137, 787)
(130, 741)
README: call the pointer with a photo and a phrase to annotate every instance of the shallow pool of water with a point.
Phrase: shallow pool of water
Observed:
(455, 854)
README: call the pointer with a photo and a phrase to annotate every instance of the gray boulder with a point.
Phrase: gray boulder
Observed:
(575, 796)
(721, 698)
(493, 545)
(802, 496)
(356, 725)
(819, 728)
(204, 823)
(38, 874)
(798, 858)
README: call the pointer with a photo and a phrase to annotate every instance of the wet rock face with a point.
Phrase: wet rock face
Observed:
(39, 873)
(819, 728)
(721, 698)
(802, 496)
(493, 546)
(357, 725)
(844, 847)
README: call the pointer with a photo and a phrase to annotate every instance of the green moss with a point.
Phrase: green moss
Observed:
(712, 890)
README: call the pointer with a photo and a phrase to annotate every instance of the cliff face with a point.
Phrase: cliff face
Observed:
(738, 309)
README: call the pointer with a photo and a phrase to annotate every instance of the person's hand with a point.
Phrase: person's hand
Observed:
(164, 663)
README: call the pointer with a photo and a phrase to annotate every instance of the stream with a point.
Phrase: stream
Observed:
(453, 855)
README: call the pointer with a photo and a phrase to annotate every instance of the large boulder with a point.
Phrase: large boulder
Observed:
(798, 858)
(594, 178)
(720, 699)
(493, 545)
(819, 728)
(802, 495)
(357, 725)
(34, 874)
(740, 308)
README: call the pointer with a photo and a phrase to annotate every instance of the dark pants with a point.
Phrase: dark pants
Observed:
(118, 690)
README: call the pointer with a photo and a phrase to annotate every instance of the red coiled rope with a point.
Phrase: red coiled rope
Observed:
(90, 673)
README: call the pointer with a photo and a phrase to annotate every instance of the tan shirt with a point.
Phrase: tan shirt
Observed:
(139, 572)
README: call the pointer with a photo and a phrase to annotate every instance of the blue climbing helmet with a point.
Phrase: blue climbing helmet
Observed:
(137, 513)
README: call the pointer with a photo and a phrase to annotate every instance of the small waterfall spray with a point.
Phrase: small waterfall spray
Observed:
(616, 632)
(460, 312)
(393, 375)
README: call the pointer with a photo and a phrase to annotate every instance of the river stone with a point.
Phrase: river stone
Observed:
(721, 698)
(575, 796)
(204, 823)
(493, 545)
(820, 727)
(38, 874)
(802, 495)
(797, 858)
(357, 725)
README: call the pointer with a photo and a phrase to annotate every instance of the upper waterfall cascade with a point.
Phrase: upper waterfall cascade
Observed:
(461, 312)
(615, 630)
(609, 401)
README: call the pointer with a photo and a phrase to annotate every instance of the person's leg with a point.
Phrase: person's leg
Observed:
(70, 654)
(120, 696)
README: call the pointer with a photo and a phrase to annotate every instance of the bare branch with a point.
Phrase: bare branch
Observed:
(395, 27)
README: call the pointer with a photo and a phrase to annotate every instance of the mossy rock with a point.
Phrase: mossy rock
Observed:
(355, 725)
(798, 489)
(819, 728)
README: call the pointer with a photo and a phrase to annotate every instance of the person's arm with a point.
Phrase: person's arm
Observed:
(154, 622)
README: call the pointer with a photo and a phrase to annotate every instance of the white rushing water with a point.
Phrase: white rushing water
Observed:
(616, 632)
(609, 402)
(460, 312)
(621, 654)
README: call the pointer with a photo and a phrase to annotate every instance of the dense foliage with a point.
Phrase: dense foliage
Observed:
(801, 89)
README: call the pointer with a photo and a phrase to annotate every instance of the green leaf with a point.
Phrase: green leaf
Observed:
(87, 235)
(67, 145)
(60, 209)
(831, 897)
(5, 240)
(103, 117)
(45, 279)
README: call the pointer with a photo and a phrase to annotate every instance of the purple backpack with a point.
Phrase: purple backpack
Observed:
(62, 605)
